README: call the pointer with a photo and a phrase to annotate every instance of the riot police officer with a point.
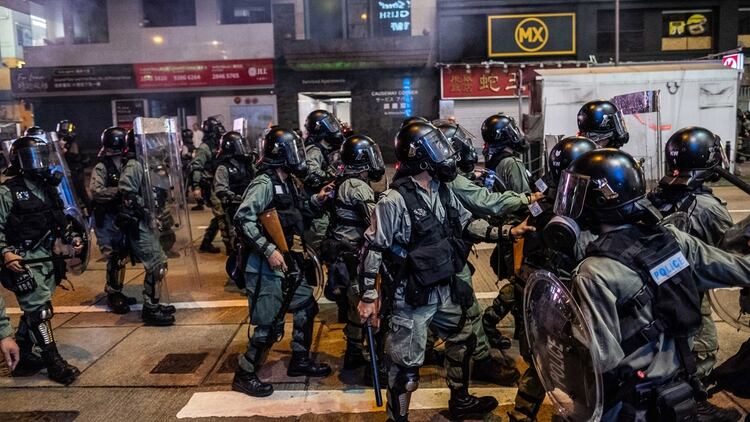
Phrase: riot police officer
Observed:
(692, 153)
(602, 122)
(275, 284)
(106, 201)
(354, 200)
(8, 345)
(77, 162)
(32, 219)
(417, 227)
(201, 175)
(234, 173)
(133, 220)
(503, 142)
(638, 289)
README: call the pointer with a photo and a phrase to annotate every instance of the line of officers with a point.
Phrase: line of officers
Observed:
(397, 259)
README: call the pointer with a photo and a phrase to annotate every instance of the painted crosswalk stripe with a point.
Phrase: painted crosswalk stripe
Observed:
(295, 403)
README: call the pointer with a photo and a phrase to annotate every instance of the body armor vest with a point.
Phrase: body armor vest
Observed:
(111, 181)
(287, 204)
(31, 218)
(339, 204)
(240, 175)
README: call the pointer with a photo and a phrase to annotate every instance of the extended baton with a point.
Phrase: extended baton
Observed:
(374, 364)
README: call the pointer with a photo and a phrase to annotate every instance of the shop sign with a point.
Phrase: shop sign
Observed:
(125, 111)
(479, 82)
(30, 80)
(205, 73)
(734, 61)
(392, 18)
(544, 34)
(396, 102)
(686, 30)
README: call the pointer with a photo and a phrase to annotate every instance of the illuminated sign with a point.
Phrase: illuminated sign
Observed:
(392, 18)
(686, 30)
(545, 34)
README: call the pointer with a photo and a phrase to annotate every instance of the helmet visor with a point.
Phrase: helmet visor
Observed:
(375, 158)
(719, 149)
(34, 157)
(295, 151)
(437, 146)
(331, 124)
(571, 194)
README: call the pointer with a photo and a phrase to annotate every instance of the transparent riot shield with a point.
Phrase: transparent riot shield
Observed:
(158, 150)
(239, 125)
(9, 132)
(733, 306)
(76, 263)
(563, 348)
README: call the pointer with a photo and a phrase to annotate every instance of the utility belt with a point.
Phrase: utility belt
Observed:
(664, 400)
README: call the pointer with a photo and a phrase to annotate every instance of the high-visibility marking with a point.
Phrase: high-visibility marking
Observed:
(295, 403)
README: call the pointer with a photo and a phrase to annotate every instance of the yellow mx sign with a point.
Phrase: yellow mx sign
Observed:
(541, 34)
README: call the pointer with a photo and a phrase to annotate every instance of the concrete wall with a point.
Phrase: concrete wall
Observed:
(130, 43)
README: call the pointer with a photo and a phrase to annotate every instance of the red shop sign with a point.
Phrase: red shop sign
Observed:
(480, 82)
(208, 73)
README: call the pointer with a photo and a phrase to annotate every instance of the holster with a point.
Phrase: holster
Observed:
(675, 402)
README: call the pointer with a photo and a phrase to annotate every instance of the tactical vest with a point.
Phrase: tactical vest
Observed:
(239, 176)
(499, 157)
(668, 285)
(435, 249)
(338, 204)
(111, 180)
(287, 201)
(31, 219)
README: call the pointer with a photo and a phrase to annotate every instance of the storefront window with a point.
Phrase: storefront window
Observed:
(631, 31)
(160, 13)
(244, 11)
(89, 21)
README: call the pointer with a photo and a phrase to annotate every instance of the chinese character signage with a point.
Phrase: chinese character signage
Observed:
(479, 83)
(125, 111)
(544, 34)
(392, 18)
(30, 80)
(686, 30)
(209, 73)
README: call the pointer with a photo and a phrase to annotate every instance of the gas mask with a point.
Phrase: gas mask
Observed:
(445, 171)
(561, 234)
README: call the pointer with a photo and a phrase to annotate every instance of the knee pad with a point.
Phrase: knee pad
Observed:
(406, 382)
(152, 280)
(40, 325)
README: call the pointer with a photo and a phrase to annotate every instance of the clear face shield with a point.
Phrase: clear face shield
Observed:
(571, 195)
(377, 165)
(35, 157)
(295, 151)
(719, 149)
(331, 124)
(438, 148)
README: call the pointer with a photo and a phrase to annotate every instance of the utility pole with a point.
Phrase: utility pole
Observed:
(617, 32)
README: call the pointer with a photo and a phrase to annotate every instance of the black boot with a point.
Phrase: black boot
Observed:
(167, 309)
(463, 405)
(207, 247)
(58, 369)
(302, 365)
(354, 357)
(118, 303)
(491, 370)
(30, 363)
(152, 314)
(249, 383)
(708, 412)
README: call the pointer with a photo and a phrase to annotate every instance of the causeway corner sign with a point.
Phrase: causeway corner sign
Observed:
(543, 34)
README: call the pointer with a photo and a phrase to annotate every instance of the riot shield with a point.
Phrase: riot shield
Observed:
(9, 132)
(733, 306)
(239, 125)
(158, 150)
(76, 263)
(563, 348)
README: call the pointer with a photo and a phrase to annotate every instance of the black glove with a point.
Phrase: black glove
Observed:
(18, 283)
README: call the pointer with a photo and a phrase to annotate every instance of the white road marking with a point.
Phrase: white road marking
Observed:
(205, 304)
(738, 211)
(295, 403)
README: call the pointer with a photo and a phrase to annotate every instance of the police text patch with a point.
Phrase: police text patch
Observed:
(668, 268)
(540, 185)
(535, 209)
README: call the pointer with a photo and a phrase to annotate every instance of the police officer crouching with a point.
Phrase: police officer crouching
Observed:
(274, 280)
(639, 288)
(233, 174)
(106, 201)
(31, 220)
(417, 229)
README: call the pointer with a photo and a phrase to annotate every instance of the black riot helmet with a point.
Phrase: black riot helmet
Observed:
(30, 154)
(463, 143)
(129, 150)
(413, 119)
(360, 153)
(187, 136)
(321, 125)
(36, 132)
(603, 185)
(66, 129)
(500, 131)
(565, 152)
(692, 153)
(232, 145)
(212, 128)
(114, 141)
(284, 148)
(423, 147)
(602, 122)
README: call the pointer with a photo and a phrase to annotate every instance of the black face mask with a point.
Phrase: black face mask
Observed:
(375, 175)
(446, 171)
